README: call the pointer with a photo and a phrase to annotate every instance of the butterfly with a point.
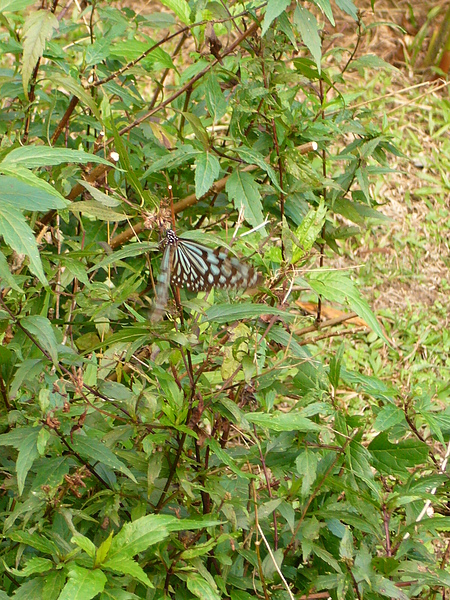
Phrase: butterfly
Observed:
(198, 268)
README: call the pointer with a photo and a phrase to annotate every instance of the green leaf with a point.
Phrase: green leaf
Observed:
(54, 583)
(34, 540)
(139, 535)
(252, 157)
(306, 464)
(225, 458)
(338, 287)
(387, 588)
(40, 197)
(103, 549)
(389, 416)
(288, 340)
(14, 5)
(126, 163)
(273, 10)
(215, 101)
(37, 29)
(207, 169)
(25, 440)
(85, 544)
(173, 159)
(83, 584)
(283, 422)
(44, 156)
(98, 452)
(198, 128)
(399, 457)
(30, 590)
(201, 588)
(28, 452)
(133, 49)
(97, 210)
(131, 250)
(128, 566)
(244, 191)
(325, 7)
(221, 313)
(41, 328)
(371, 61)
(36, 564)
(307, 25)
(19, 236)
(76, 89)
(348, 7)
(180, 8)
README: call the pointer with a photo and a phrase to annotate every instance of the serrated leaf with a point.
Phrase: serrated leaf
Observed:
(41, 328)
(225, 457)
(398, 457)
(28, 177)
(97, 210)
(306, 464)
(348, 7)
(14, 5)
(307, 25)
(215, 101)
(221, 313)
(18, 235)
(125, 161)
(283, 422)
(85, 544)
(37, 29)
(180, 8)
(34, 540)
(83, 584)
(338, 287)
(96, 451)
(244, 191)
(198, 128)
(28, 452)
(76, 89)
(24, 196)
(139, 535)
(201, 588)
(131, 250)
(207, 169)
(388, 589)
(128, 566)
(273, 10)
(54, 583)
(44, 156)
(252, 157)
(389, 416)
(103, 549)
(371, 61)
(325, 7)
(173, 159)
(99, 196)
(36, 564)
(288, 340)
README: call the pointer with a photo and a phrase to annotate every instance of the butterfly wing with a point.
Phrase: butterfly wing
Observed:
(198, 268)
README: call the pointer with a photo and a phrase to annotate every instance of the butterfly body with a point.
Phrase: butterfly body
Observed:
(198, 268)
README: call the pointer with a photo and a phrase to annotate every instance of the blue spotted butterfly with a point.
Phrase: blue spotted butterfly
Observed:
(198, 268)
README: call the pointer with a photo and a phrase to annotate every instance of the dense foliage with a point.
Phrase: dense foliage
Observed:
(221, 452)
